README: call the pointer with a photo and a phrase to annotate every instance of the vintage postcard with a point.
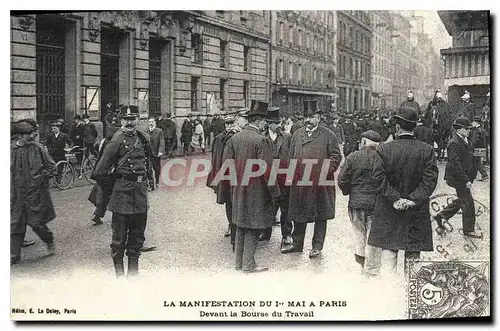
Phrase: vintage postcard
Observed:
(250, 165)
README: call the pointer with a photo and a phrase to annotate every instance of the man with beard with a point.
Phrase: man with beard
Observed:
(410, 102)
(222, 188)
(460, 173)
(30, 201)
(312, 199)
(280, 144)
(406, 173)
(170, 134)
(157, 148)
(252, 198)
(127, 157)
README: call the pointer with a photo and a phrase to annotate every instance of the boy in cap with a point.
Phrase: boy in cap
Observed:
(460, 174)
(356, 180)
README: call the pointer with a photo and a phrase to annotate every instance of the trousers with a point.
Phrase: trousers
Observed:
(286, 224)
(156, 163)
(464, 202)
(299, 232)
(361, 221)
(246, 244)
(229, 215)
(389, 261)
(128, 234)
(18, 231)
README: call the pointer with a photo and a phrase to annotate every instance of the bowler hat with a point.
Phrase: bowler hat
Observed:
(372, 135)
(258, 108)
(55, 123)
(462, 122)
(407, 114)
(274, 115)
(130, 111)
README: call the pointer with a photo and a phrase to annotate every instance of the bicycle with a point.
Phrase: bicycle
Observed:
(67, 169)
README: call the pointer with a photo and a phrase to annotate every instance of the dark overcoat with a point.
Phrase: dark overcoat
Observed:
(30, 170)
(313, 202)
(460, 167)
(280, 149)
(412, 104)
(157, 141)
(187, 131)
(56, 146)
(424, 134)
(253, 203)
(128, 197)
(405, 168)
(222, 188)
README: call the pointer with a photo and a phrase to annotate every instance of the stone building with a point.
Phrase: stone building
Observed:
(402, 58)
(303, 59)
(467, 62)
(354, 60)
(382, 57)
(177, 62)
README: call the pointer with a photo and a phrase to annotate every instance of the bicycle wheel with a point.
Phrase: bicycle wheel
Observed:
(65, 175)
(88, 167)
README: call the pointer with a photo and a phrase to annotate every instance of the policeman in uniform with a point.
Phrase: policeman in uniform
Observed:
(127, 158)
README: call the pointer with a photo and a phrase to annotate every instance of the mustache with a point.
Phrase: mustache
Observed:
(130, 126)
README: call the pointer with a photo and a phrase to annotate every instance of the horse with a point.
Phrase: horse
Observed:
(437, 122)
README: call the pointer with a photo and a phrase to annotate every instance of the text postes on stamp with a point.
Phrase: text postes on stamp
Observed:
(448, 289)
(450, 242)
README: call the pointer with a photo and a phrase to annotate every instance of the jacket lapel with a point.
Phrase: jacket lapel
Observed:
(314, 136)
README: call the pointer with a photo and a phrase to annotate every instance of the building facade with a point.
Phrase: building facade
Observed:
(303, 59)
(402, 56)
(467, 62)
(354, 60)
(382, 57)
(177, 62)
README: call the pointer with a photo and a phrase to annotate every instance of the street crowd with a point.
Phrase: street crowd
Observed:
(386, 162)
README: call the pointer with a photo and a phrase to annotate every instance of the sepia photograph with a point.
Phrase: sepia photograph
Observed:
(250, 165)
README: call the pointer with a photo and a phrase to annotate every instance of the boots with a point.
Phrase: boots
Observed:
(133, 266)
(119, 269)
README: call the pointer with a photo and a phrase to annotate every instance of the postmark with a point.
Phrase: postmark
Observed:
(448, 289)
(450, 242)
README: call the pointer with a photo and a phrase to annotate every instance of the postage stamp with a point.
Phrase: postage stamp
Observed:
(448, 289)
(450, 242)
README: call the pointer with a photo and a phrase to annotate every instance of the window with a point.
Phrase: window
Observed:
(222, 93)
(223, 53)
(290, 71)
(194, 93)
(281, 65)
(341, 33)
(246, 58)
(308, 41)
(246, 93)
(243, 16)
(299, 41)
(154, 97)
(299, 74)
(290, 35)
(196, 48)
(281, 32)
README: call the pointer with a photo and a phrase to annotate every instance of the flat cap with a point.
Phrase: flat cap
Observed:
(407, 114)
(372, 135)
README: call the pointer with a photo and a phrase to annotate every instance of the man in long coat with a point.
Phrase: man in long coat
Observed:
(30, 201)
(170, 134)
(187, 131)
(460, 173)
(406, 173)
(410, 102)
(222, 188)
(252, 200)
(312, 202)
(280, 145)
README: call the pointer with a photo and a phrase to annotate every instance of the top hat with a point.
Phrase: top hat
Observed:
(462, 122)
(407, 114)
(130, 111)
(258, 108)
(311, 107)
(274, 115)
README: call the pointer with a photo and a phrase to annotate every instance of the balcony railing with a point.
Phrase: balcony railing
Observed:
(466, 62)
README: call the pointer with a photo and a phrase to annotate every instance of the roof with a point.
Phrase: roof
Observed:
(464, 20)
